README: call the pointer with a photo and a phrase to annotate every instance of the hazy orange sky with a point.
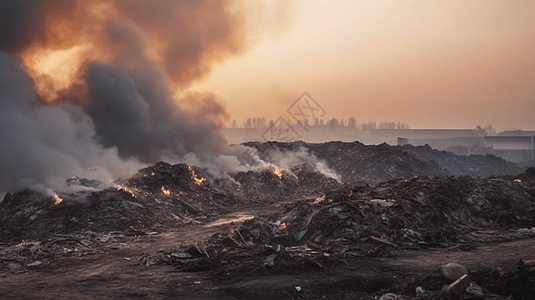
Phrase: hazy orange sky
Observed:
(428, 63)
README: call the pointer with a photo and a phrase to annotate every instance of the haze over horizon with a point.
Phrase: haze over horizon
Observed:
(430, 64)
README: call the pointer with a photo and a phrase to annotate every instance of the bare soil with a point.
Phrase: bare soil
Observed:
(115, 272)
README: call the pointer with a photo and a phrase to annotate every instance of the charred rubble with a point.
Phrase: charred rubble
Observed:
(415, 213)
(353, 223)
(359, 163)
(156, 198)
(391, 199)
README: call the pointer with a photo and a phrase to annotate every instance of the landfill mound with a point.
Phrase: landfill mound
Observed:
(390, 206)
(416, 213)
(156, 198)
(458, 165)
(265, 187)
(359, 163)
(162, 196)
(355, 162)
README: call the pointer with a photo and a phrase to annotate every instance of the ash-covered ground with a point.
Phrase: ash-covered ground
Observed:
(379, 229)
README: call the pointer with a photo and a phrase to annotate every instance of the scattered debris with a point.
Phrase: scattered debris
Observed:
(391, 199)
(453, 271)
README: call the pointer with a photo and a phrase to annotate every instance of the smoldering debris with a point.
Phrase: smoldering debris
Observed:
(165, 194)
(417, 213)
(377, 221)
(309, 221)
(358, 163)
(156, 198)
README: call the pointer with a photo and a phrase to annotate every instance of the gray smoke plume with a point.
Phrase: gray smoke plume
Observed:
(18, 20)
(124, 114)
(42, 145)
(132, 106)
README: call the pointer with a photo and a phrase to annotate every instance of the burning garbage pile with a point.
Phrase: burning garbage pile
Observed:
(314, 221)
(416, 213)
(156, 198)
(358, 163)
(271, 186)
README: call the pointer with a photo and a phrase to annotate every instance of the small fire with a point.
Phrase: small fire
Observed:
(58, 199)
(350, 193)
(23, 244)
(278, 172)
(166, 192)
(282, 226)
(518, 180)
(197, 180)
(125, 189)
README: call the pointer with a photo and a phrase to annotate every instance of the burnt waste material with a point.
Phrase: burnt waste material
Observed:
(156, 198)
(390, 201)
(369, 221)
(471, 165)
(163, 196)
(358, 163)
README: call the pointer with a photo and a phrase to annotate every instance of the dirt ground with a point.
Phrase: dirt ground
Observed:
(116, 273)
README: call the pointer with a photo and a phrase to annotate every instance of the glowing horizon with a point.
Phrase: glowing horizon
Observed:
(430, 64)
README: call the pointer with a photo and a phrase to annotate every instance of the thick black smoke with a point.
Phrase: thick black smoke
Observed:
(137, 116)
(18, 22)
(133, 108)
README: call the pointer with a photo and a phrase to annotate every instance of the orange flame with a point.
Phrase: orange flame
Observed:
(54, 71)
(197, 180)
(278, 172)
(58, 199)
(68, 39)
(125, 189)
(518, 180)
(23, 243)
(166, 192)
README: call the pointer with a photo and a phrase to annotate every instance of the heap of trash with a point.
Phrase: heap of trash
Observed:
(359, 163)
(157, 198)
(415, 213)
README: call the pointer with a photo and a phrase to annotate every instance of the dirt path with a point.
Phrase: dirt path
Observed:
(116, 274)
(503, 255)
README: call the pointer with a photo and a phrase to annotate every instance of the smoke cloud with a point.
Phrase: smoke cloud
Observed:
(44, 145)
(88, 88)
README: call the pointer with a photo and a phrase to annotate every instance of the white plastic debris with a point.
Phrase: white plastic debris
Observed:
(453, 271)
(319, 199)
(390, 296)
